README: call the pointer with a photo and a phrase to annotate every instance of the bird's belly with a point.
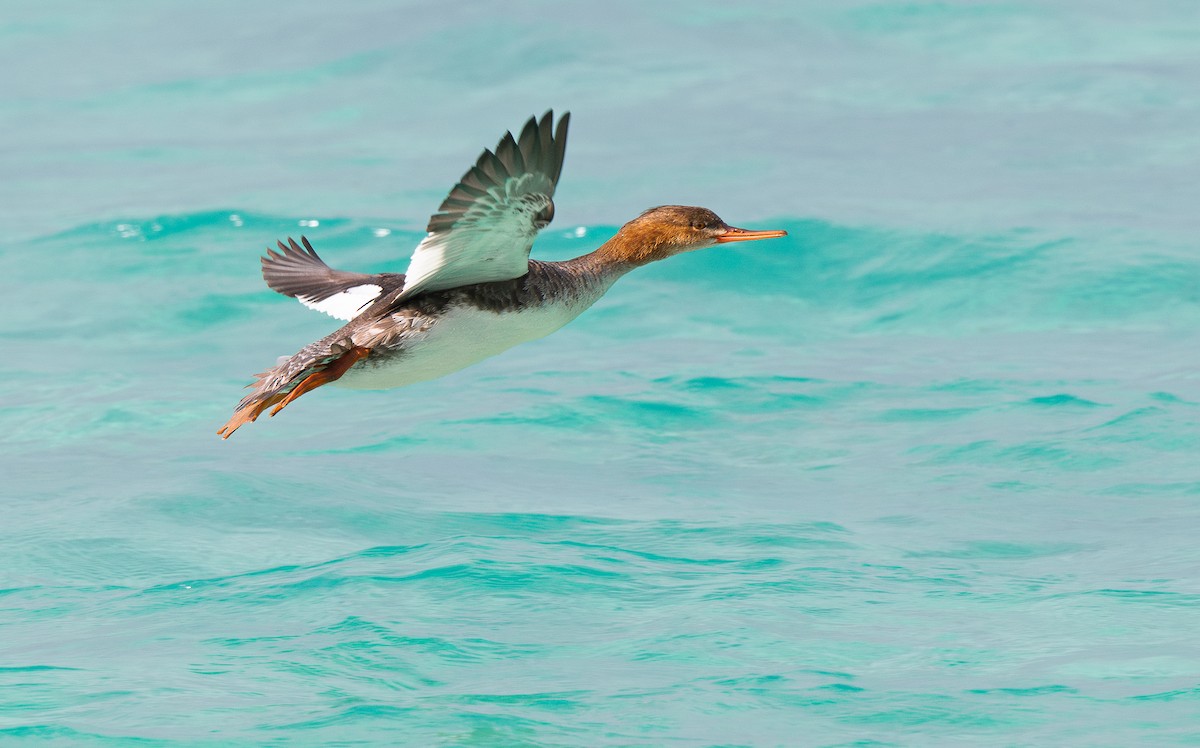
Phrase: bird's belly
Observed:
(458, 338)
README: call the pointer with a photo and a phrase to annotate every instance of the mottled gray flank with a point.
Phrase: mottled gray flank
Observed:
(386, 327)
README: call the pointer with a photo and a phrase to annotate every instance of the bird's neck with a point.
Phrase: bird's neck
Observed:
(627, 250)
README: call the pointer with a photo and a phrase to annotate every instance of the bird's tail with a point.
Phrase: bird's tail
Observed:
(314, 365)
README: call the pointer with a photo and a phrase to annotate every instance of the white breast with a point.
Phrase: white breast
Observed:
(462, 336)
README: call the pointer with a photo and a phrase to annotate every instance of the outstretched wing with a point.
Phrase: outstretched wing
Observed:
(300, 273)
(485, 228)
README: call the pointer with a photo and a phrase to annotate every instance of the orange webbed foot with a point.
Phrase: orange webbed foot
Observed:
(329, 372)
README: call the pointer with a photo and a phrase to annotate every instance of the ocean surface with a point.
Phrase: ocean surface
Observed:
(926, 472)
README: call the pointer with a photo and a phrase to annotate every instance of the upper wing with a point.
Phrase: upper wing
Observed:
(300, 273)
(485, 228)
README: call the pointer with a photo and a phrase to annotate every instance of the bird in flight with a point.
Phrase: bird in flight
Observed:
(470, 290)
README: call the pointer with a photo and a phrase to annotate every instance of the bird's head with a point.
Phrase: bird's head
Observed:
(669, 230)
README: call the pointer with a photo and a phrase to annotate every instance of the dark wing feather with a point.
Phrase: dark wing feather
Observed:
(485, 227)
(298, 271)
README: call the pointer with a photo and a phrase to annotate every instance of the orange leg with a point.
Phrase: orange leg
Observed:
(332, 371)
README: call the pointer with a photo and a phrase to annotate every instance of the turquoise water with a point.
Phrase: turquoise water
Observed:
(923, 473)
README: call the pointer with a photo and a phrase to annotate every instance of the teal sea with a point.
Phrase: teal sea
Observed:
(925, 472)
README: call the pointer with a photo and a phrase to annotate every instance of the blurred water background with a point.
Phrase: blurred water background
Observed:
(923, 473)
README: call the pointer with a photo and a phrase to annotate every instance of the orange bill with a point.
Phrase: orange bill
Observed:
(745, 235)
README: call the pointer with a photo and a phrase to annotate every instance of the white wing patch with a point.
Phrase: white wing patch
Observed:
(490, 242)
(485, 227)
(346, 304)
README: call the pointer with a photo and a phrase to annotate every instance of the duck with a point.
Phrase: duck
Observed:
(470, 290)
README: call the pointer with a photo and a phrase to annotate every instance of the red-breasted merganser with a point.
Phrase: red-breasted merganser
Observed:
(470, 290)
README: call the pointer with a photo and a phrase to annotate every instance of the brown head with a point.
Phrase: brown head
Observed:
(669, 230)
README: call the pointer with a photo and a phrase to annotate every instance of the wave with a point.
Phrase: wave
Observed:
(848, 280)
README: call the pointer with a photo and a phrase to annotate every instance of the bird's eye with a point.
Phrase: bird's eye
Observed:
(699, 225)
